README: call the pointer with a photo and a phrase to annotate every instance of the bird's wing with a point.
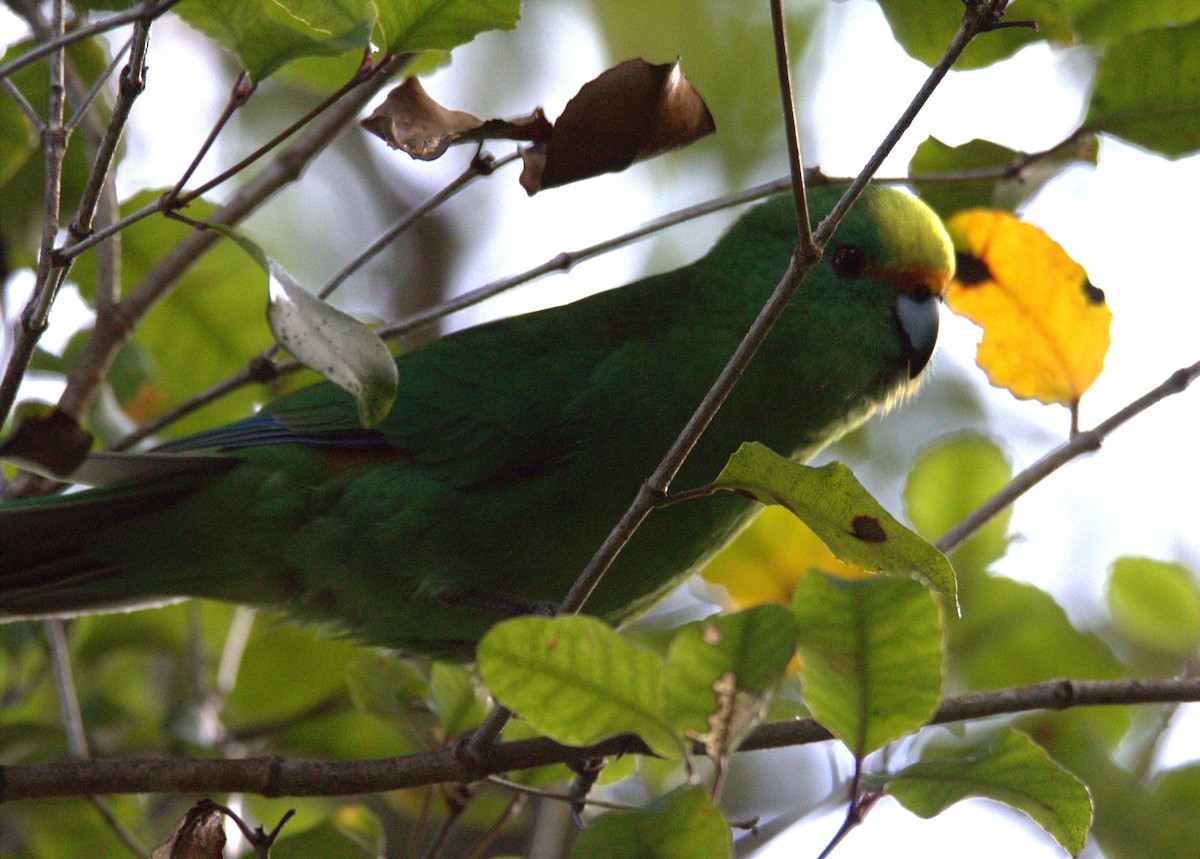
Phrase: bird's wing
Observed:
(480, 405)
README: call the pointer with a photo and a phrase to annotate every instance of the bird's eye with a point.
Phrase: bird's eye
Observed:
(849, 261)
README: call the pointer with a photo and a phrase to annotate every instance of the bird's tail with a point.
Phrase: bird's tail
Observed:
(45, 568)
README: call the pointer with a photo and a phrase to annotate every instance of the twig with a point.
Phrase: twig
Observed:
(979, 17)
(112, 330)
(274, 776)
(72, 721)
(365, 72)
(148, 11)
(783, 69)
(239, 94)
(81, 110)
(485, 841)
(499, 781)
(1080, 443)
(31, 114)
(54, 140)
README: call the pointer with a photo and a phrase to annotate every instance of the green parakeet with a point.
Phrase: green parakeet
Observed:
(511, 451)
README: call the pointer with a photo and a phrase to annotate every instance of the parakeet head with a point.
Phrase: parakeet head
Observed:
(895, 238)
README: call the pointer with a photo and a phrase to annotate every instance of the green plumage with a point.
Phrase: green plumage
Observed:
(511, 451)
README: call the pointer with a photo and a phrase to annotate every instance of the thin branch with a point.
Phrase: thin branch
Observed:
(132, 83)
(274, 776)
(82, 109)
(112, 330)
(783, 70)
(31, 114)
(1080, 443)
(978, 18)
(148, 11)
(239, 94)
(34, 318)
(481, 165)
(365, 72)
(517, 787)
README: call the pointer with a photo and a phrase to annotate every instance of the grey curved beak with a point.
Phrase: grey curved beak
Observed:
(918, 321)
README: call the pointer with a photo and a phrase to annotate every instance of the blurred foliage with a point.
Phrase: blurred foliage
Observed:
(184, 680)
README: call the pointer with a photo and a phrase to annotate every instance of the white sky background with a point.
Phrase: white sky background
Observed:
(1130, 221)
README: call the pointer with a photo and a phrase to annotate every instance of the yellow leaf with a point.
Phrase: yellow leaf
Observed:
(1045, 326)
(764, 563)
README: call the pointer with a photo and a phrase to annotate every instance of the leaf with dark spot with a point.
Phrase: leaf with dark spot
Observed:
(831, 501)
(970, 270)
(1045, 326)
(868, 529)
(1094, 293)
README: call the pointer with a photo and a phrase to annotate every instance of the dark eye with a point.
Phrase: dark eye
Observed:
(849, 261)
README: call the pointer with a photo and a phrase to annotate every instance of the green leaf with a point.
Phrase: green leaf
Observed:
(384, 685)
(23, 194)
(1155, 604)
(455, 698)
(950, 479)
(721, 671)
(266, 34)
(844, 515)
(333, 343)
(1011, 633)
(684, 824)
(423, 25)
(1147, 91)
(977, 156)
(1013, 770)
(206, 328)
(267, 690)
(870, 657)
(18, 140)
(576, 680)
(924, 28)
(1104, 20)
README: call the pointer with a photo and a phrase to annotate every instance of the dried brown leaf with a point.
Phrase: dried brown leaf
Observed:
(198, 836)
(631, 112)
(409, 119)
(53, 444)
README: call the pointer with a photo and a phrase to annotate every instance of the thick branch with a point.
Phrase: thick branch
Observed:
(274, 776)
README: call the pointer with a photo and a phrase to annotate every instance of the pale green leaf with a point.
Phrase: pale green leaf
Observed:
(1155, 604)
(422, 25)
(576, 680)
(684, 824)
(949, 480)
(870, 657)
(1013, 770)
(721, 671)
(455, 697)
(333, 343)
(1147, 91)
